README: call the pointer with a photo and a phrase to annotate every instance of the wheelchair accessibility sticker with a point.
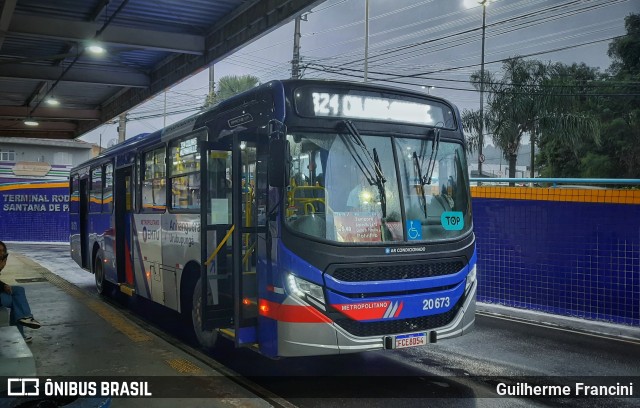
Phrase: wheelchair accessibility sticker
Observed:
(414, 230)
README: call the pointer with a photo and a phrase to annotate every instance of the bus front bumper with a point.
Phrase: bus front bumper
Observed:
(307, 339)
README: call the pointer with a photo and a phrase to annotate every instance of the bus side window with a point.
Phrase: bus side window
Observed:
(185, 174)
(154, 195)
(95, 191)
(107, 195)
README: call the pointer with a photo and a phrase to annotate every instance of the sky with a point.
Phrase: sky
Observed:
(431, 46)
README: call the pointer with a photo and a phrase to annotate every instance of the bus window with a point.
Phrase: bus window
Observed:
(74, 207)
(185, 174)
(154, 194)
(324, 206)
(425, 204)
(95, 191)
(107, 199)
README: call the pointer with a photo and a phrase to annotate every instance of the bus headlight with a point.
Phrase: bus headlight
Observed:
(303, 288)
(471, 277)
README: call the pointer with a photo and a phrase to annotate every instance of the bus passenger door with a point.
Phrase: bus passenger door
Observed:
(250, 168)
(123, 212)
(216, 232)
(84, 222)
(229, 250)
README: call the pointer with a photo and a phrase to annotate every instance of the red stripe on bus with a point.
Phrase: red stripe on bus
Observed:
(291, 313)
(127, 264)
(399, 310)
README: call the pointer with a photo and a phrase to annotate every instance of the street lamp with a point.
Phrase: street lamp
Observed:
(428, 89)
(469, 4)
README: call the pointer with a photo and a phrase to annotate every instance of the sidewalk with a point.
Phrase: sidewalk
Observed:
(83, 336)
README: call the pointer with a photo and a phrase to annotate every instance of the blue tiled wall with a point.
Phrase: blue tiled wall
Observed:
(568, 258)
(29, 212)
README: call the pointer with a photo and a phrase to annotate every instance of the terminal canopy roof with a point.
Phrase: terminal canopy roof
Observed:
(149, 46)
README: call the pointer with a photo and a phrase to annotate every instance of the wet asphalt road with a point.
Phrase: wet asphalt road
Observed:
(459, 372)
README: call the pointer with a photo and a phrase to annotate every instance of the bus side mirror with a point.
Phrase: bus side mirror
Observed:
(279, 157)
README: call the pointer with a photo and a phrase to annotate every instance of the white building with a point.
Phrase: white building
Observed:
(42, 159)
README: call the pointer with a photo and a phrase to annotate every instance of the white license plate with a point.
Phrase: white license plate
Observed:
(411, 340)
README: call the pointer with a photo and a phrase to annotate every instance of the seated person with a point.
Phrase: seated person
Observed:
(14, 298)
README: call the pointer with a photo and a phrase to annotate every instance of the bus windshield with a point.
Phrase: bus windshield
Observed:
(353, 191)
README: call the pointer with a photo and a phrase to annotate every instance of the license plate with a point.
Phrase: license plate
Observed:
(411, 340)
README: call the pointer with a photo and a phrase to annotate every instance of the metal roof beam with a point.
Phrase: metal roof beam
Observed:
(38, 134)
(82, 75)
(42, 126)
(49, 113)
(120, 36)
(6, 14)
(259, 18)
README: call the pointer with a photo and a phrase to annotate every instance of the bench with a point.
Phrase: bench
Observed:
(16, 359)
(4, 316)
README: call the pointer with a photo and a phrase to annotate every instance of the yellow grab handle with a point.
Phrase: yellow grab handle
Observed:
(224, 240)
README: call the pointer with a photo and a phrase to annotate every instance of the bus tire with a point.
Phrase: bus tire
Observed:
(98, 273)
(206, 338)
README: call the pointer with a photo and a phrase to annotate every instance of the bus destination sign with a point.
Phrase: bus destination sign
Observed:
(371, 107)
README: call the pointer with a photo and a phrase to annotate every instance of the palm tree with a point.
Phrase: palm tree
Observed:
(530, 99)
(229, 86)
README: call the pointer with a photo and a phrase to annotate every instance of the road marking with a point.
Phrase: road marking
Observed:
(184, 366)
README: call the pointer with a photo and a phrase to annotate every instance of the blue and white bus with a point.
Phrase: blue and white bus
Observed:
(299, 218)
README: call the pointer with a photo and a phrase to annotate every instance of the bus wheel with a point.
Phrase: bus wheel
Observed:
(206, 338)
(98, 272)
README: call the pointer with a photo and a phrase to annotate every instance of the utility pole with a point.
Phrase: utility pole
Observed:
(122, 127)
(481, 139)
(295, 62)
(212, 83)
(366, 40)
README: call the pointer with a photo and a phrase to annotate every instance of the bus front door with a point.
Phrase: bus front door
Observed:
(84, 222)
(232, 220)
(123, 212)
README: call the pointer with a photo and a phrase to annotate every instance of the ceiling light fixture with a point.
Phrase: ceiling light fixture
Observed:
(52, 101)
(96, 49)
(31, 122)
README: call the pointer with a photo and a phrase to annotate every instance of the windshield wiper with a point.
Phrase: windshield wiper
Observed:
(435, 145)
(380, 180)
(423, 199)
(371, 166)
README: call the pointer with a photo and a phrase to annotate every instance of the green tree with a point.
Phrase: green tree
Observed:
(624, 51)
(614, 99)
(561, 150)
(524, 102)
(622, 115)
(229, 86)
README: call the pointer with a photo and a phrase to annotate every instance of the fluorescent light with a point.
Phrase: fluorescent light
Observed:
(96, 49)
(31, 122)
(52, 101)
